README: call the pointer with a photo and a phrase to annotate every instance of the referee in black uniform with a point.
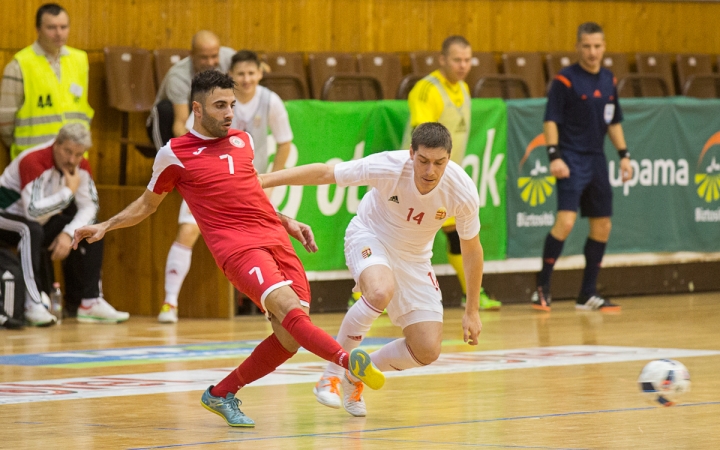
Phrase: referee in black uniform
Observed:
(582, 108)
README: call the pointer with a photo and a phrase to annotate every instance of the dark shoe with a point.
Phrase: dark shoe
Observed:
(541, 298)
(10, 323)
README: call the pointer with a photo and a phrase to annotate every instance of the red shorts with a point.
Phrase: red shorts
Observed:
(257, 272)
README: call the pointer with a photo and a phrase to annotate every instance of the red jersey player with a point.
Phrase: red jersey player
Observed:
(211, 166)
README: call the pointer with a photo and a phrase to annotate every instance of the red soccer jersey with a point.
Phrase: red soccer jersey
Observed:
(217, 179)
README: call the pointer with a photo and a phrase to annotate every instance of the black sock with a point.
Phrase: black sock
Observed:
(551, 252)
(594, 252)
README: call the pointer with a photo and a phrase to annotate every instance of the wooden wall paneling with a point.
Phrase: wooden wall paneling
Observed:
(206, 292)
(127, 275)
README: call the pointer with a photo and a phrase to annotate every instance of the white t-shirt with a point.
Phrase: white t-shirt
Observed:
(396, 212)
(245, 112)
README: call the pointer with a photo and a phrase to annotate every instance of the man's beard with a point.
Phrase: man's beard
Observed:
(214, 127)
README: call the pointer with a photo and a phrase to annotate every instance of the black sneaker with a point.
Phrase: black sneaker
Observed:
(541, 298)
(10, 323)
(596, 303)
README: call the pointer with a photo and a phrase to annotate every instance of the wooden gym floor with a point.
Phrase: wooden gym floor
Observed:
(528, 389)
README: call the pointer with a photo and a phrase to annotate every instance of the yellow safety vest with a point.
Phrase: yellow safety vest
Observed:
(50, 103)
(455, 118)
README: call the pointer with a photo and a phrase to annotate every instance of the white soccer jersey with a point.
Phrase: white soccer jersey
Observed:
(396, 212)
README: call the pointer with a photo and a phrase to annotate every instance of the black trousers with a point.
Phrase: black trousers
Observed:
(81, 269)
(160, 123)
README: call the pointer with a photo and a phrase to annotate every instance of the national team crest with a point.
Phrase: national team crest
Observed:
(441, 214)
(366, 253)
(237, 142)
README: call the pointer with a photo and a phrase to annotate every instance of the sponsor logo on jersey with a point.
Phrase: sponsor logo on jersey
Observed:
(366, 253)
(394, 198)
(538, 186)
(199, 150)
(237, 142)
(707, 177)
(441, 214)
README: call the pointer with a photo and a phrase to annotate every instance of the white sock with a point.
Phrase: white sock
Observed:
(395, 356)
(87, 302)
(176, 268)
(354, 327)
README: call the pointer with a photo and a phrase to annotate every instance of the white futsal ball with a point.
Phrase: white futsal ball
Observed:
(664, 380)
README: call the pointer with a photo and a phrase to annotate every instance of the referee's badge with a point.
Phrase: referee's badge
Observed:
(366, 253)
(609, 112)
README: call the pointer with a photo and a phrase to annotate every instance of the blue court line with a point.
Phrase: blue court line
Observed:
(454, 444)
(467, 422)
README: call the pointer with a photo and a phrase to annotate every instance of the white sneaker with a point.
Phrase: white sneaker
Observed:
(352, 397)
(101, 312)
(327, 391)
(37, 315)
(168, 314)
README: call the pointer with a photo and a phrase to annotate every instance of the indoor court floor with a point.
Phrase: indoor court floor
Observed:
(559, 380)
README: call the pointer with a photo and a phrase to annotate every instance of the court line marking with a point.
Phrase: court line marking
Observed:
(443, 424)
(295, 373)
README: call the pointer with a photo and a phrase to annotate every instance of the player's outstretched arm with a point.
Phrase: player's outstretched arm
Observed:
(473, 260)
(307, 175)
(135, 213)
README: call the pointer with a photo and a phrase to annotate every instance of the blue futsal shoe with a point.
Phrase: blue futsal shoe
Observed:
(362, 368)
(228, 408)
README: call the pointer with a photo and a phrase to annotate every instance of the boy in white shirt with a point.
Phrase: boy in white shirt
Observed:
(388, 247)
(256, 111)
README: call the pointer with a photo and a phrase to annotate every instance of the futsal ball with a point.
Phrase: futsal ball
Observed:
(664, 380)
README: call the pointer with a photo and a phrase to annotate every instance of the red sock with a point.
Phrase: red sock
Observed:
(266, 357)
(314, 339)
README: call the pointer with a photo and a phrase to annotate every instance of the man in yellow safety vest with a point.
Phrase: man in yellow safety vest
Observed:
(44, 86)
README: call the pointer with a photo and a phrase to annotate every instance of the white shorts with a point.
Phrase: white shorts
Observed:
(417, 296)
(185, 214)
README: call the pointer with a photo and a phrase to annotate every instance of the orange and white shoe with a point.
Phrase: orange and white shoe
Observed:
(327, 391)
(352, 397)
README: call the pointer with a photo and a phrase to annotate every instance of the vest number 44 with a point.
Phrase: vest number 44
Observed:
(46, 102)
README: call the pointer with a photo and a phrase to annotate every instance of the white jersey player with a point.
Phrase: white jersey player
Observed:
(388, 247)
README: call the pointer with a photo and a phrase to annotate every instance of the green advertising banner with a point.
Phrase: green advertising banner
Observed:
(342, 131)
(672, 202)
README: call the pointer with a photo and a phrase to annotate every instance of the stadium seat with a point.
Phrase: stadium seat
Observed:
(131, 89)
(501, 86)
(288, 63)
(556, 61)
(657, 64)
(642, 85)
(406, 85)
(351, 87)
(287, 86)
(165, 58)
(695, 75)
(323, 65)
(386, 67)
(481, 64)
(528, 66)
(617, 63)
(422, 63)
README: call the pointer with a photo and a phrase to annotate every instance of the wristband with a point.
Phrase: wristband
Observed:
(623, 154)
(553, 152)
